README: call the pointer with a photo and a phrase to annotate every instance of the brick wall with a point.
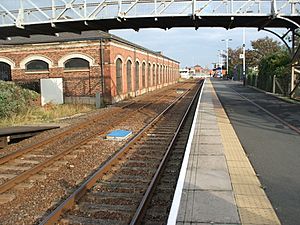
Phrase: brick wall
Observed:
(87, 82)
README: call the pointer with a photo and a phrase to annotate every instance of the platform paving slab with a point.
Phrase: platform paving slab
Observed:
(208, 207)
(220, 186)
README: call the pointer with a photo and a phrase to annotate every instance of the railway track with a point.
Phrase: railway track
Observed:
(27, 198)
(20, 165)
(120, 189)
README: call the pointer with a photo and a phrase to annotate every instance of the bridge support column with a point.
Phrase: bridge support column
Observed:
(292, 80)
(295, 79)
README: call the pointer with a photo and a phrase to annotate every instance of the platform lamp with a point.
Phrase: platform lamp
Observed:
(226, 41)
(244, 58)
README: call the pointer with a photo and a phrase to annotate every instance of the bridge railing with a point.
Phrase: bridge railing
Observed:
(27, 12)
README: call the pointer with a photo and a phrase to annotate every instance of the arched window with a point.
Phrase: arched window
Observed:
(5, 71)
(143, 75)
(149, 75)
(129, 64)
(137, 75)
(76, 64)
(154, 75)
(36, 65)
(119, 76)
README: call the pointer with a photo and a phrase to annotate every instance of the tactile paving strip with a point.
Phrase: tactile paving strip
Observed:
(253, 205)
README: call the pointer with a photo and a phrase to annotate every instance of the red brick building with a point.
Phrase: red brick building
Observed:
(94, 62)
(198, 69)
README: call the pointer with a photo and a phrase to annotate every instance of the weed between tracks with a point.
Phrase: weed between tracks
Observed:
(48, 113)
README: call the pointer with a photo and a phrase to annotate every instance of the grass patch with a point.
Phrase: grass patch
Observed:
(48, 113)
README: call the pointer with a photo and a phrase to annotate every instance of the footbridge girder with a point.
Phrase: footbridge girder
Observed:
(26, 17)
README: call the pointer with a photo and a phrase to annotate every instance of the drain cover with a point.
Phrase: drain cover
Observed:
(119, 135)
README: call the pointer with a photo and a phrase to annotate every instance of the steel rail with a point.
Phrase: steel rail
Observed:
(147, 196)
(38, 144)
(71, 129)
(103, 169)
(23, 176)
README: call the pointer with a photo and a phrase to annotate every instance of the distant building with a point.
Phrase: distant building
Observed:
(184, 73)
(195, 71)
(187, 73)
(198, 69)
(94, 62)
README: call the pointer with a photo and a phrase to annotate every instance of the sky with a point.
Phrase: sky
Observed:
(186, 45)
(190, 46)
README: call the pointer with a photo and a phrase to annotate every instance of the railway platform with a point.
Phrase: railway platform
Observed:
(217, 184)
(21, 132)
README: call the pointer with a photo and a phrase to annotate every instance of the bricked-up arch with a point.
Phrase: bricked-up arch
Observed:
(128, 74)
(36, 65)
(137, 75)
(77, 64)
(5, 71)
(28, 59)
(119, 83)
(153, 75)
(149, 75)
(157, 74)
(62, 60)
(161, 75)
(143, 75)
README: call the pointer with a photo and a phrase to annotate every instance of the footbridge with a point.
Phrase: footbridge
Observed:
(26, 17)
(50, 17)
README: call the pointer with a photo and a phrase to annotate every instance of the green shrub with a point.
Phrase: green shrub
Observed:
(14, 99)
(277, 63)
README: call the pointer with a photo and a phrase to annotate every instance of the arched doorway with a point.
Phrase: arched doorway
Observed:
(5, 71)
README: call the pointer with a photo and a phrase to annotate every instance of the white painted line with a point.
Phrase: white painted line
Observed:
(179, 187)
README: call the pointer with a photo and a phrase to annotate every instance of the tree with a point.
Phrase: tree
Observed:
(262, 47)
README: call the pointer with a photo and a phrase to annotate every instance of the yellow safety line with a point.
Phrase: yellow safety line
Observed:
(253, 205)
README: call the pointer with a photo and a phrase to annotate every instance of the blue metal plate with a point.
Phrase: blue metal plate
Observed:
(119, 134)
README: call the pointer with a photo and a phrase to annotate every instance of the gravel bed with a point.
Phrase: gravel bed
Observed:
(64, 125)
(32, 204)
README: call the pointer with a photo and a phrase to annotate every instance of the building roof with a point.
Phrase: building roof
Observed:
(68, 37)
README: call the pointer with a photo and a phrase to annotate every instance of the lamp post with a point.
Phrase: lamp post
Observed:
(227, 40)
(220, 53)
(244, 58)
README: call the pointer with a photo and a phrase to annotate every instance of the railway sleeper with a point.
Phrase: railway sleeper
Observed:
(131, 177)
(21, 161)
(122, 195)
(134, 190)
(145, 157)
(91, 207)
(157, 138)
(141, 163)
(78, 220)
(158, 212)
(116, 184)
(129, 181)
(162, 197)
(111, 200)
(105, 213)
(153, 150)
(136, 170)
(164, 189)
